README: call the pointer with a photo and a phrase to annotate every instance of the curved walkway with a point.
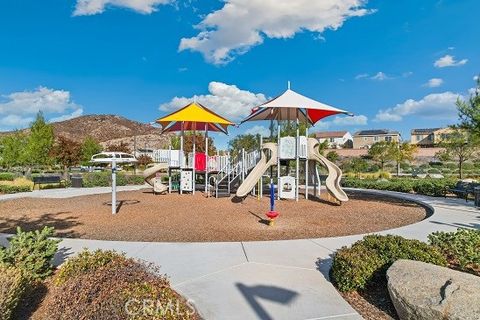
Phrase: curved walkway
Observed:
(266, 279)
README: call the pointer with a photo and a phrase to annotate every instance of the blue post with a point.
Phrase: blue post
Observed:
(272, 196)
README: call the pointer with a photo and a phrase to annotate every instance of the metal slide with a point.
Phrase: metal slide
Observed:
(265, 162)
(334, 173)
(150, 174)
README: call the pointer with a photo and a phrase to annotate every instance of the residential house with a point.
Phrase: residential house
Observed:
(366, 138)
(429, 138)
(335, 139)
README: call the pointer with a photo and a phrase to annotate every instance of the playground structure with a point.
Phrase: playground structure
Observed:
(222, 175)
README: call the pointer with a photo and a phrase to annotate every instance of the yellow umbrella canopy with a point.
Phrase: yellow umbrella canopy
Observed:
(191, 116)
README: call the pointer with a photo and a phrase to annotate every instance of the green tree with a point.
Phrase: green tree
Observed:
(40, 142)
(248, 142)
(356, 165)
(89, 147)
(289, 129)
(469, 112)
(402, 153)
(333, 156)
(460, 147)
(199, 143)
(381, 153)
(13, 149)
(67, 152)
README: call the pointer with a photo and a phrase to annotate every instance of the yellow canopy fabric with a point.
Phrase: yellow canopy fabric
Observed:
(194, 112)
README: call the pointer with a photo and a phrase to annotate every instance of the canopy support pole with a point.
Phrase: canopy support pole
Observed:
(278, 158)
(297, 159)
(306, 163)
(206, 155)
(181, 159)
(193, 160)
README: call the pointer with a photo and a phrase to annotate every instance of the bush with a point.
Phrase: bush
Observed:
(112, 286)
(96, 179)
(353, 268)
(433, 187)
(12, 287)
(429, 187)
(103, 179)
(86, 261)
(8, 189)
(7, 176)
(461, 247)
(32, 252)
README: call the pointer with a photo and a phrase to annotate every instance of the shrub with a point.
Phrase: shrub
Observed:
(8, 189)
(461, 247)
(12, 287)
(7, 176)
(433, 187)
(32, 252)
(103, 179)
(86, 261)
(96, 179)
(114, 285)
(429, 187)
(353, 268)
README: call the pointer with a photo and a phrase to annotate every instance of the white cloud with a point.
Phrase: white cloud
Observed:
(359, 120)
(342, 121)
(361, 76)
(475, 78)
(242, 24)
(227, 100)
(432, 106)
(19, 108)
(92, 7)
(449, 61)
(380, 76)
(262, 130)
(434, 83)
(75, 114)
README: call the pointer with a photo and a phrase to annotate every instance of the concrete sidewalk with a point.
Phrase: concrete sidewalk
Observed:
(269, 279)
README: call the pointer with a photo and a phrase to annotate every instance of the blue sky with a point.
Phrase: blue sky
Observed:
(394, 64)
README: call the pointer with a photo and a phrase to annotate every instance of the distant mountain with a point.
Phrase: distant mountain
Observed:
(112, 129)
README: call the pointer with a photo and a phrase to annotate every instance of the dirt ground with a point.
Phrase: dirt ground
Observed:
(147, 217)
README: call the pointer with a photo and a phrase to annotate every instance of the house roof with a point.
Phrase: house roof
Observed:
(424, 131)
(330, 134)
(378, 132)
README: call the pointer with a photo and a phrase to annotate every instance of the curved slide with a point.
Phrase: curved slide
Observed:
(150, 177)
(251, 180)
(334, 173)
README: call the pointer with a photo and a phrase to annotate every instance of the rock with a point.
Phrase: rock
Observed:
(424, 291)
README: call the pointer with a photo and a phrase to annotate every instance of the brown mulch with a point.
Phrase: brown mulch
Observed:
(373, 303)
(147, 217)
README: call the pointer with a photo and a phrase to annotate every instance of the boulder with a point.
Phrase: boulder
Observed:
(424, 291)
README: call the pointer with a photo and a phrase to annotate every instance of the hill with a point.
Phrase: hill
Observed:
(111, 129)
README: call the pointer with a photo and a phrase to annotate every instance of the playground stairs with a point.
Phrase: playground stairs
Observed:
(226, 182)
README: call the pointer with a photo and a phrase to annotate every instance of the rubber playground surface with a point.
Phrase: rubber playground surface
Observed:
(143, 216)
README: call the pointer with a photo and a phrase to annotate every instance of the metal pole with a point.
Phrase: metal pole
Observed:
(194, 150)
(243, 165)
(278, 159)
(114, 186)
(306, 163)
(261, 177)
(181, 159)
(206, 155)
(297, 159)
